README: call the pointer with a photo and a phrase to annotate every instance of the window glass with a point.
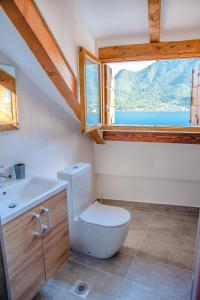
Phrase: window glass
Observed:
(92, 92)
(8, 102)
(153, 92)
(5, 104)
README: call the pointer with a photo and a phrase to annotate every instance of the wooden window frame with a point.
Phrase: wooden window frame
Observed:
(14, 123)
(83, 54)
(132, 54)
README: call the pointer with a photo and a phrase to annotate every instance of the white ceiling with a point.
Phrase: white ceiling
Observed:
(125, 19)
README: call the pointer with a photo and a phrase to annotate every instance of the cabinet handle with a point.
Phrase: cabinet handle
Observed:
(39, 226)
(45, 227)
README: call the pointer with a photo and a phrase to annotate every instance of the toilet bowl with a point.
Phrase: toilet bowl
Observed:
(95, 229)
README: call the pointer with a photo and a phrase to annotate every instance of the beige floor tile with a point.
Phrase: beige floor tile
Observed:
(133, 241)
(166, 253)
(156, 251)
(178, 237)
(49, 292)
(183, 238)
(158, 235)
(103, 285)
(140, 219)
(169, 280)
(181, 258)
(118, 265)
(154, 263)
(162, 220)
(184, 221)
(133, 290)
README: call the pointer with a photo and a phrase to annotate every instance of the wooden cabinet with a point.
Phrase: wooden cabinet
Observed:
(55, 239)
(36, 245)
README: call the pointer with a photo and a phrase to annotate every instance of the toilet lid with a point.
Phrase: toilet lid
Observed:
(105, 215)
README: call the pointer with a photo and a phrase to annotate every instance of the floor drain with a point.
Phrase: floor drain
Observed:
(80, 289)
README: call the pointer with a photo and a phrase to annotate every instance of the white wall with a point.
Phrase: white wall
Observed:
(68, 28)
(49, 137)
(149, 172)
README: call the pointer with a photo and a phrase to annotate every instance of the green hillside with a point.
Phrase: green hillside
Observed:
(164, 85)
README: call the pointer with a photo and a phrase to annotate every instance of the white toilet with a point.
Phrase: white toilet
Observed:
(95, 229)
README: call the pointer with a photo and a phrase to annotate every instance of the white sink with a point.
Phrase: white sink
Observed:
(18, 196)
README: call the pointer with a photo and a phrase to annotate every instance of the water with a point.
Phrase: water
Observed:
(148, 118)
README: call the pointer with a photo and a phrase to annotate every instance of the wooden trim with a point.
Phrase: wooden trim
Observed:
(154, 7)
(150, 128)
(14, 123)
(8, 126)
(82, 88)
(97, 137)
(160, 50)
(104, 94)
(155, 137)
(7, 81)
(83, 53)
(90, 55)
(29, 22)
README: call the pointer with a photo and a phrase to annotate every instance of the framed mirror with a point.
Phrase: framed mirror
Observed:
(90, 90)
(8, 98)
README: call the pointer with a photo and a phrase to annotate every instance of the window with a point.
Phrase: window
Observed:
(150, 95)
(8, 103)
(153, 93)
(90, 90)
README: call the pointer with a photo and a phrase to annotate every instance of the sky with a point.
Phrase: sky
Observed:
(130, 65)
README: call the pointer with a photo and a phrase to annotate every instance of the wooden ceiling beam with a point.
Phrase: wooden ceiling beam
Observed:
(29, 22)
(160, 50)
(154, 8)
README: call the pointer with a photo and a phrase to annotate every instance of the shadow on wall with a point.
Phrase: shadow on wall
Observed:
(49, 137)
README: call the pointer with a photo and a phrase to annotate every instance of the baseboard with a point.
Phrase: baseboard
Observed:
(151, 206)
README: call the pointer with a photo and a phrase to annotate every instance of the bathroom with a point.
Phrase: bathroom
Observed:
(157, 183)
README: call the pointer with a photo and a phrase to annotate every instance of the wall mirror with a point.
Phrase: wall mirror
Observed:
(8, 98)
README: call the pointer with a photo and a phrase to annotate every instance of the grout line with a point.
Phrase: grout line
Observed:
(146, 230)
(126, 276)
(93, 268)
(132, 262)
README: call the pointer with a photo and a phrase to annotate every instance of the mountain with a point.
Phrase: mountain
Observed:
(165, 85)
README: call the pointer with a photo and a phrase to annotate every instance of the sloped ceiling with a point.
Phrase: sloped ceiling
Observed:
(127, 19)
(13, 47)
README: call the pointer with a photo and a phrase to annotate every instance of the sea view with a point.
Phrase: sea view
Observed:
(147, 118)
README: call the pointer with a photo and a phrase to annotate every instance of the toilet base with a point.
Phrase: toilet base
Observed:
(97, 241)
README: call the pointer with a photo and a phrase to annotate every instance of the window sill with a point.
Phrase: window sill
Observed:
(176, 129)
(8, 127)
(154, 137)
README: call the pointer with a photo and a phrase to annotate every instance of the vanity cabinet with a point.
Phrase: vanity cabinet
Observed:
(36, 245)
(55, 237)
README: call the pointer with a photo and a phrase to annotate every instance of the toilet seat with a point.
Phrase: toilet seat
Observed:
(105, 215)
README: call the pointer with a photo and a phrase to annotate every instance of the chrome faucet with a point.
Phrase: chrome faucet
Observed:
(4, 175)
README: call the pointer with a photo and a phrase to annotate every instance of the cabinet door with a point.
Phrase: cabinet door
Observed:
(56, 237)
(24, 256)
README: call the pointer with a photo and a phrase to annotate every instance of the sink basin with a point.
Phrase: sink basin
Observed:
(18, 196)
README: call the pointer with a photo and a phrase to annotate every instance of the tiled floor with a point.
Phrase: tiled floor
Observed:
(155, 263)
